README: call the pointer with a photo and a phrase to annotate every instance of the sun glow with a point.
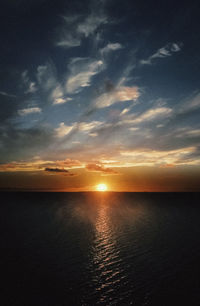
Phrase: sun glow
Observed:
(101, 187)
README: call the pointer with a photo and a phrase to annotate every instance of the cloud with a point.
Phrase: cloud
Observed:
(82, 70)
(191, 104)
(159, 112)
(90, 24)
(29, 85)
(120, 94)
(124, 111)
(93, 134)
(76, 28)
(57, 96)
(149, 115)
(46, 77)
(88, 126)
(63, 129)
(163, 52)
(3, 93)
(51, 90)
(69, 163)
(31, 88)
(127, 93)
(28, 111)
(15, 166)
(56, 170)
(68, 41)
(193, 133)
(167, 166)
(110, 47)
(151, 157)
(61, 100)
(59, 170)
(100, 168)
(37, 164)
(187, 133)
(25, 76)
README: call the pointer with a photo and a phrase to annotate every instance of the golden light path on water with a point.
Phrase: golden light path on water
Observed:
(109, 219)
(107, 261)
(116, 218)
(105, 252)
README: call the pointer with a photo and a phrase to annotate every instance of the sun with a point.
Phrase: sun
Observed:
(101, 187)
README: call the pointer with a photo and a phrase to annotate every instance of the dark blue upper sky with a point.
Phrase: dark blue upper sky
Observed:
(100, 80)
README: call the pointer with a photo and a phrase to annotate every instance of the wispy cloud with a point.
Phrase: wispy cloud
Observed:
(190, 104)
(46, 77)
(122, 93)
(90, 24)
(88, 126)
(63, 129)
(187, 132)
(156, 113)
(58, 97)
(68, 41)
(152, 114)
(30, 86)
(110, 47)
(151, 157)
(3, 93)
(27, 111)
(76, 28)
(163, 52)
(51, 90)
(82, 70)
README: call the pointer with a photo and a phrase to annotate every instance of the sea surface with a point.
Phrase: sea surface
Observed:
(96, 248)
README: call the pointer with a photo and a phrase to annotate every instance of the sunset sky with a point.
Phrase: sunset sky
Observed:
(100, 92)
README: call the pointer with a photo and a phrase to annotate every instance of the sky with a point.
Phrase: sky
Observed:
(100, 92)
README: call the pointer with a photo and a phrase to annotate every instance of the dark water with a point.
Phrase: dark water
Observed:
(100, 249)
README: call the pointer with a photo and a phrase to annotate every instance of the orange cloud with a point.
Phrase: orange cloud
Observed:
(69, 163)
(167, 166)
(127, 93)
(18, 166)
(100, 168)
(39, 165)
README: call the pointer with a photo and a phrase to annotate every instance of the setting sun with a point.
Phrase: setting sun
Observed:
(101, 187)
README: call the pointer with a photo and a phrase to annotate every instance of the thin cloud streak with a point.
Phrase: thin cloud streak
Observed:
(3, 93)
(27, 111)
(163, 52)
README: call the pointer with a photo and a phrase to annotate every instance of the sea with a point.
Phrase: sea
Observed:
(99, 248)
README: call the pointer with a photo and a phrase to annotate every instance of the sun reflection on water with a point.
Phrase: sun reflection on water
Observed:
(105, 253)
(105, 223)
